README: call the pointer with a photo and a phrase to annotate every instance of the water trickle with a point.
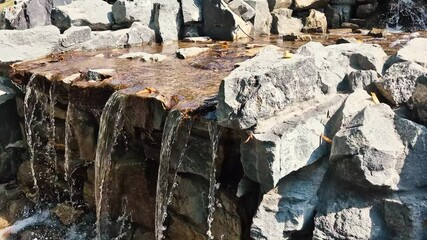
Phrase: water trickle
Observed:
(112, 122)
(166, 182)
(21, 224)
(407, 15)
(214, 133)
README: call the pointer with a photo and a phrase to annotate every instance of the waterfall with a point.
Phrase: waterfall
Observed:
(407, 15)
(111, 124)
(214, 133)
(39, 114)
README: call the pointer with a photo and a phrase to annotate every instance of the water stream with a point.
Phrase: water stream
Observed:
(111, 124)
(407, 15)
(214, 133)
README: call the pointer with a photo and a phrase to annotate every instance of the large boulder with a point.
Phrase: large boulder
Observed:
(140, 33)
(309, 4)
(106, 39)
(26, 14)
(28, 44)
(126, 12)
(290, 140)
(290, 206)
(75, 35)
(263, 19)
(191, 11)
(316, 22)
(95, 13)
(221, 23)
(264, 85)
(420, 98)
(362, 79)
(166, 20)
(414, 51)
(284, 24)
(398, 82)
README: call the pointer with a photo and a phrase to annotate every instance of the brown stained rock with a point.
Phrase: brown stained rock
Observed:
(67, 214)
(4, 223)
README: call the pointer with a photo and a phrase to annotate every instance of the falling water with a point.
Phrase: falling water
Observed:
(112, 122)
(51, 126)
(21, 224)
(407, 15)
(214, 133)
(169, 137)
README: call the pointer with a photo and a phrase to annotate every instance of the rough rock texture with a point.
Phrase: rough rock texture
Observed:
(263, 19)
(140, 33)
(106, 39)
(366, 10)
(221, 23)
(95, 13)
(166, 21)
(191, 11)
(280, 3)
(242, 9)
(316, 22)
(27, 14)
(414, 51)
(292, 143)
(28, 44)
(284, 24)
(75, 35)
(308, 4)
(420, 98)
(267, 84)
(290, 206)
(362, 79)
(399, 81)
(127, 12)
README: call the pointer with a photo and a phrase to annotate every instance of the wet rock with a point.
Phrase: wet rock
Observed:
(96, 14)
(284, 24)
(139, 34)
(145, 57)
(398, 83)
(242, 9)
(315, 22)
(166, 21)
(415, 51)
(262, 86)
(126, 12)
(338, 14)
(191, 11)
(352, 26)
(362, 79)
(263, 19)
(100, 74)
(366, 10)
(184, 53)
(220, 23)
(346, 40)
(28, 44)
(26, 14)
(293, 142)
(67, 214)
(420, 98)
(106, 39)
(378, 33)
(308, 4)
(290, 206)
(75, 35)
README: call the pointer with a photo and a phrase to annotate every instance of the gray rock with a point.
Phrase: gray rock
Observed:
(399, 81)
(281, 3)
(420, 98)
(290, 140)
(145, 57)
(308, 4)
(362, 79)
(184, 53)
(338, 14)
(106, 39)
(366, 10)
(219, 22)
(316, 22)
(290, 206)
(100, 74)
(242, 9)
(378, 32)
(368, 152)
(75, 35)
(95, 13)
(264, 85)
(166, 21)
(56, 3)
(140, 33)
(191, 11)
(263, 19)
(127, 12)
(346, 40)
(19, 45)
(284, 24)
(27, 14)
(190, 31)
(414, 51)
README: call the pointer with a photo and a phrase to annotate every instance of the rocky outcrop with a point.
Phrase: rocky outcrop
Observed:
(126, 12)
(166, 21)
(284, 24)
(75, 35)
(263, 19)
